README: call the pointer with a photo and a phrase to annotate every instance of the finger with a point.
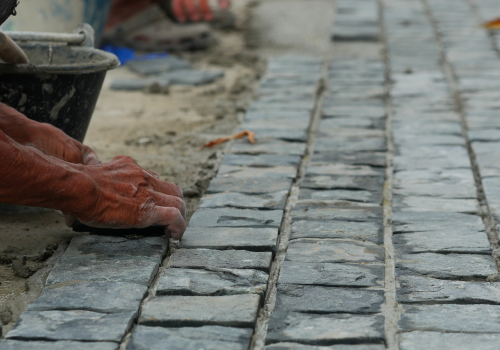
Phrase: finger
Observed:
(166, 187)
(172, 219)
(191, 9)
(90, 158)
(166, 201)
(206, 11)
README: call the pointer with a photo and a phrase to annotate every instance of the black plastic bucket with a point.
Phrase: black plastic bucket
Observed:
(59, 86)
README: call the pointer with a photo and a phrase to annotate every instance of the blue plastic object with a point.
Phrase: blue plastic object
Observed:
(124, 54)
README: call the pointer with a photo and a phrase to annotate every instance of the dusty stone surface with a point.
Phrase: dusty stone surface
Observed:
(188, 338)
(58, 345)
(324, 329)
(268, 146)
(245, 172)
(251, 238)
(327, 182)
(178, 311)
(227, 259)
(327, 299)
(115, 297)
(451, 318)
(274, 200)
(236, 218)
(342, 169)
(362, 231)
(458, 341)
(333, 251)
(211, 282)
(261, 160)
(328, 274)
(417, 203)
(72, 325)
(295, 346)
(342, 195)
(249, 186)
(435, 221)
(443, 242)
(376, 159)
(342, 212)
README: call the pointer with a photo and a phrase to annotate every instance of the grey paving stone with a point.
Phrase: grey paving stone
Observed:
(227, 259)
(58, 345)
(416, 126)
(243, 172)
(189, 338)
(103, 270)
(484, 135)
(342, 195)
(267, 145)
(274, 200)
(413, 139)
(455, 341)
(91, 246)
(343, 169)
(333, 251)
(350, 145)
(424, 289)
(282, 134)
(250, 185)
(324, 329)
(319, 299)
(369, 183)
(72, 325)
(261, 160)
(228, 217)
(192, 77)
(375, 159)
(446, 265)
(492, 190)
(179, 311)
(486, 154)
(435, 221)
(355, 111)
(424, 157)
(107, 297)
(360, 213)
(212, 282)
(453, 183)
(415, 203)
(446, 241)
(451, 318)
(294, 346)
(369, 231)
(259, 239)
(327, 274)
(349, 122)
(284, 122)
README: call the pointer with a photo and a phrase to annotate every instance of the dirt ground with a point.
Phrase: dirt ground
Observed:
(162, 132)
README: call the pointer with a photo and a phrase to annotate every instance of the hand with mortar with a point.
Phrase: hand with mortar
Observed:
(41, 166)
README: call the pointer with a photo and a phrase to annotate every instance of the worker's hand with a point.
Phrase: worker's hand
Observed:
(196, 10)
(129, 196)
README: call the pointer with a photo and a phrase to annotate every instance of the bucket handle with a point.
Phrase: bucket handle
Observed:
(83, 35)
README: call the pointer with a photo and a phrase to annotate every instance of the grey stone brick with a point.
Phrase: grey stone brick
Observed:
(353, 112)
(455, 341)
(115, 297)
(227, 259)
(333, 251)
(446, 241)
(282, 134)
(369, 231)
(104, 270)
(273, 200)
(424, 289)
(260, 160)
(58, 345)
(416, 203)
(416, 126)
(369, 183)
(363, 213)
(343, 169)
(451, 318)
(414, 157)
(267, 145)
(435, 222)
(446, 266)
(179, 311)
(241, 172)
(160, 65)
(319, 299)
(325, 329)
(350, 145)
(227, 217)
(283, 122)
(212, 282)
(331, 128)
(250, 238)
(250, 186)
(375, 159)
(428, 140)
(188, 338)
(327, 274)
(294, 346)
(72, 325)
(342, 195)
(484, 135)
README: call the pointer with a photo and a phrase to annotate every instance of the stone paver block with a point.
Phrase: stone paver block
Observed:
(295, 346)
(416, 203)
(178, 311)
(375, 159)
(369, 231)
(325, 329)
(435, 222)
(57, 345)
(333, 251)
(250, 186)
(409, 127)
(343, 169)
(414, 157)
(368, 183)
(108, 297)
(104, 270)
(320, 299)
(212, 282)
(445, 241)
(260, 160)
(249, 238)
(228, 217)
(268, 146)
(451, 318)
(455, 341)
(426, 140)
(363, 213)
(371, 144)
(446, 265)
(328, 274)
(342, 195)
(424, 289)
(273, 200)
(72, 325)
(188, 338)
(283, 122)
(282, 134)
(245, 172)
(91, 246)
(226, 259)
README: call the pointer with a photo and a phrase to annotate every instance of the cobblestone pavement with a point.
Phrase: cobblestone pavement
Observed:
(365, 217)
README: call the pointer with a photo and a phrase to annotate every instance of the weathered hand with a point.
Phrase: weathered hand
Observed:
(129, 196)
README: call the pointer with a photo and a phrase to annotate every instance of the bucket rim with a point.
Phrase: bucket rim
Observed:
(109, 61)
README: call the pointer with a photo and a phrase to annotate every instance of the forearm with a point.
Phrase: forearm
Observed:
(29, 177)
